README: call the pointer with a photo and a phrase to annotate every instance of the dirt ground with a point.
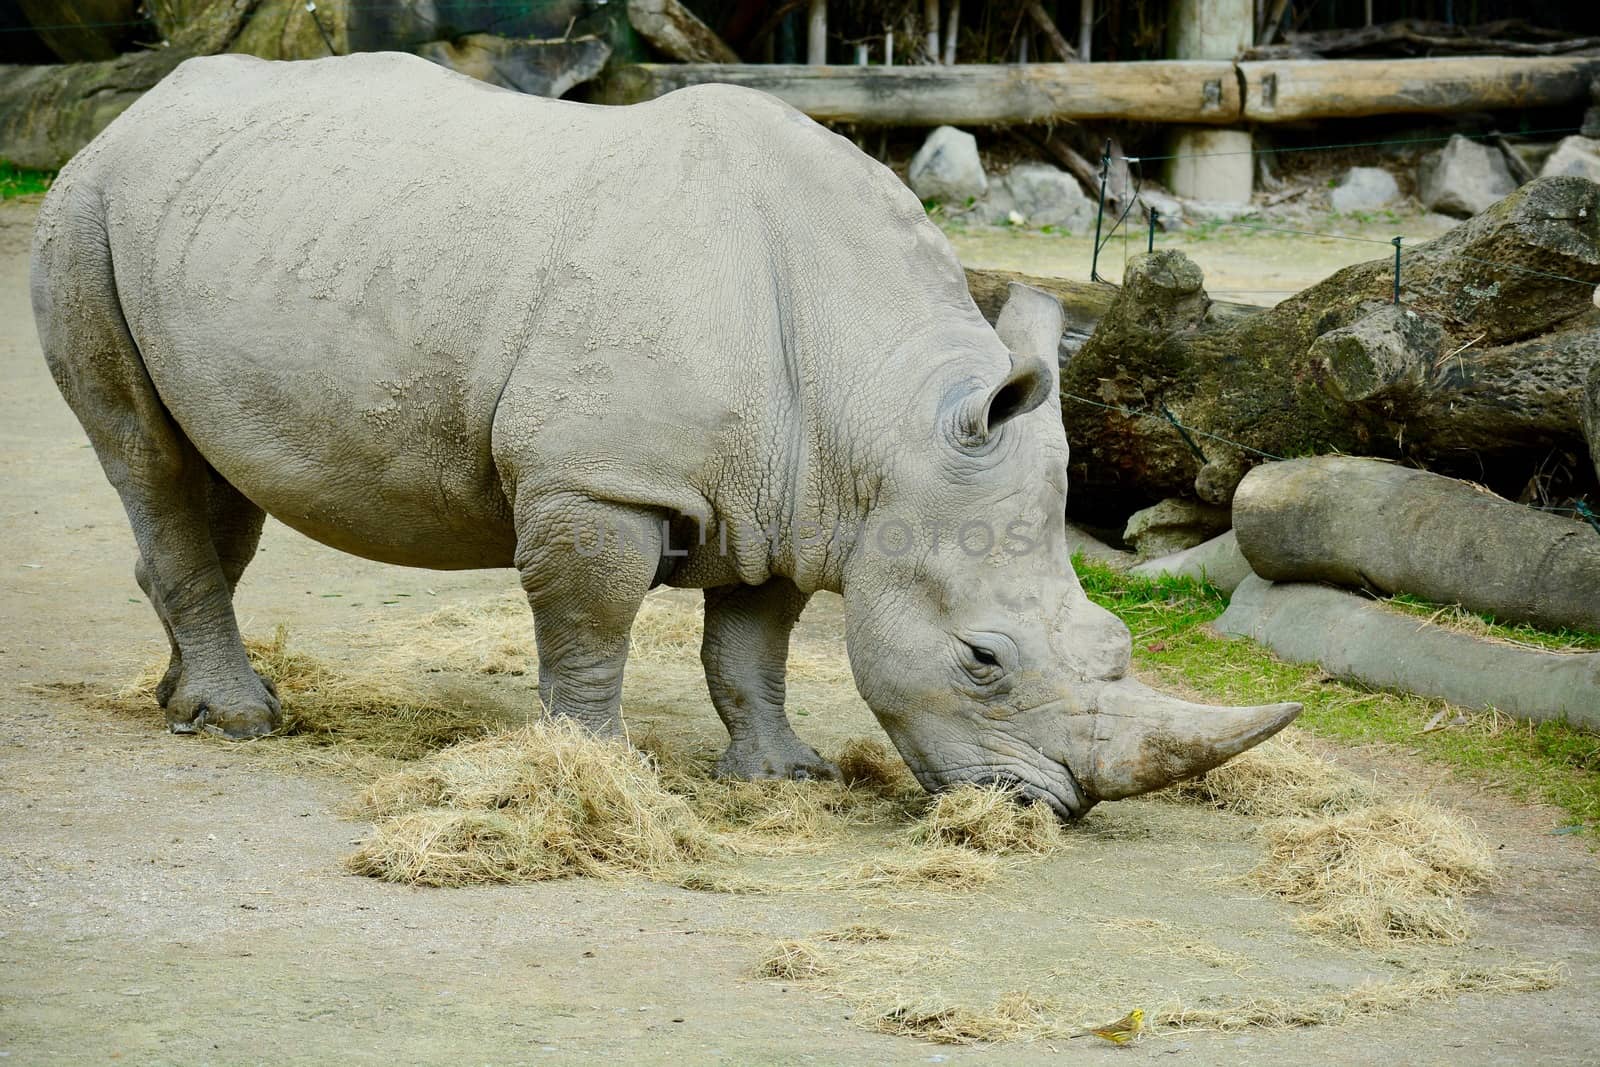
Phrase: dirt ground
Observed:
(169, 900)
(1241, 265)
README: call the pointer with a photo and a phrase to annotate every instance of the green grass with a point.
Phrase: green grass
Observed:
(19, 181)
(1548, 762)
(1457, 618)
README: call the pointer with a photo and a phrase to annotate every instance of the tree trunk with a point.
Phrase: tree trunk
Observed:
(971, 94)
(48, 113)
(1477, 372)
(675, 31)
(1365, 524)
(1294, 90)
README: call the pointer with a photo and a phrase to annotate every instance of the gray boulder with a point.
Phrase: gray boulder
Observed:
(1364, 189)
(1575, 156)
(1463, 178)
(1217, 561)
(947, 167)
(1043, 195)
(1174, 525)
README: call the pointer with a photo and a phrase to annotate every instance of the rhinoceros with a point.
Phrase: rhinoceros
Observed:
(438, 324)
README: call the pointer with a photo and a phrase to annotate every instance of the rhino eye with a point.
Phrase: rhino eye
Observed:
(982, 662)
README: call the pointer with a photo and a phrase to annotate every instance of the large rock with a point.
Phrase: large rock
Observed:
(1463, 178)
(1352, 637)
(1217, 561)
(1364, 189)
(1576, 156)
(1174, 525)
(947, 168)
(1043, 195)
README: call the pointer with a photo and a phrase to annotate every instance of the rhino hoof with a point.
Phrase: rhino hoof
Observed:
(238, 718)
(799, 762)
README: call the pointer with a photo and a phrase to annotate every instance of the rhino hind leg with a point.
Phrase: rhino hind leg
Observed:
(745, 651)
(162, 480)
(235, 524)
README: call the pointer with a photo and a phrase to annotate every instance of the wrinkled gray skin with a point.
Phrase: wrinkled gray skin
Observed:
(438, 324)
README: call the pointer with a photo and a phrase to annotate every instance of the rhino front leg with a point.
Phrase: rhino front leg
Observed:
(745, 652)
(586, 567)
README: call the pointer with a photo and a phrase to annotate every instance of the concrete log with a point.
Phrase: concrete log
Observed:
(1358, 640)
(1372, 525)
(1217, 561)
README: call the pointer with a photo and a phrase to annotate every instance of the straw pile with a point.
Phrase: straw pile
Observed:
(989, 819)
(1377, 875)
(541, 802)
(1368, 999)
(1279, 777)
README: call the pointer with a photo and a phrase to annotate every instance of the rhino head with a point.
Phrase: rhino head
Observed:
(968, 632)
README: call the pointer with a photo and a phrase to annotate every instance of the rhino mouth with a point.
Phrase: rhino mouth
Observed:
(1067, 798)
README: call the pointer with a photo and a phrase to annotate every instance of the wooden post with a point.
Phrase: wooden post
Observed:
(1085, 29)
(1211, 164)
(817, 38)
(951, 32)
(930, 26)
(888, 48)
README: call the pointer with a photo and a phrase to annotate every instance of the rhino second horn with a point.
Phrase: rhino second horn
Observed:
(1145, 740)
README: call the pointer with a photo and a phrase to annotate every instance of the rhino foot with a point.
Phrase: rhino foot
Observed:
(794, 759)
(238, 711)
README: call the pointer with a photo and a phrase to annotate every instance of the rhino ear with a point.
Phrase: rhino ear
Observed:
(1030, 323)
(1030, 327)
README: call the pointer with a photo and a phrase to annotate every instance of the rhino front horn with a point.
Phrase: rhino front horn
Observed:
(1144, 740)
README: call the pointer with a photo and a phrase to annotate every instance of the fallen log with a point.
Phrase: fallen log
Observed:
(1293, 90)
(541, 68)
(1355, 639)
(965, 95)
(675, 31)
(1366, 524)
(1477, 372)
(1084, 304)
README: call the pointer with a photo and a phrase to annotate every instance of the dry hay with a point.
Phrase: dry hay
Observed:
(1154, 938)
(544, 801)
(931, 866)
(1368, 999)
(857, 934)
(1013, 1016)
(869, 764)
(1279, 777)
(352, 721)
(1377, 875)
(795, 961)
(989, 819)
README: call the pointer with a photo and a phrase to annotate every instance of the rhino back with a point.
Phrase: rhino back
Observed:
(335, 271)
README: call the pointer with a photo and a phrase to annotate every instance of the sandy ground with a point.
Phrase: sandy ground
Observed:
(165, 900)
(1241, 265)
